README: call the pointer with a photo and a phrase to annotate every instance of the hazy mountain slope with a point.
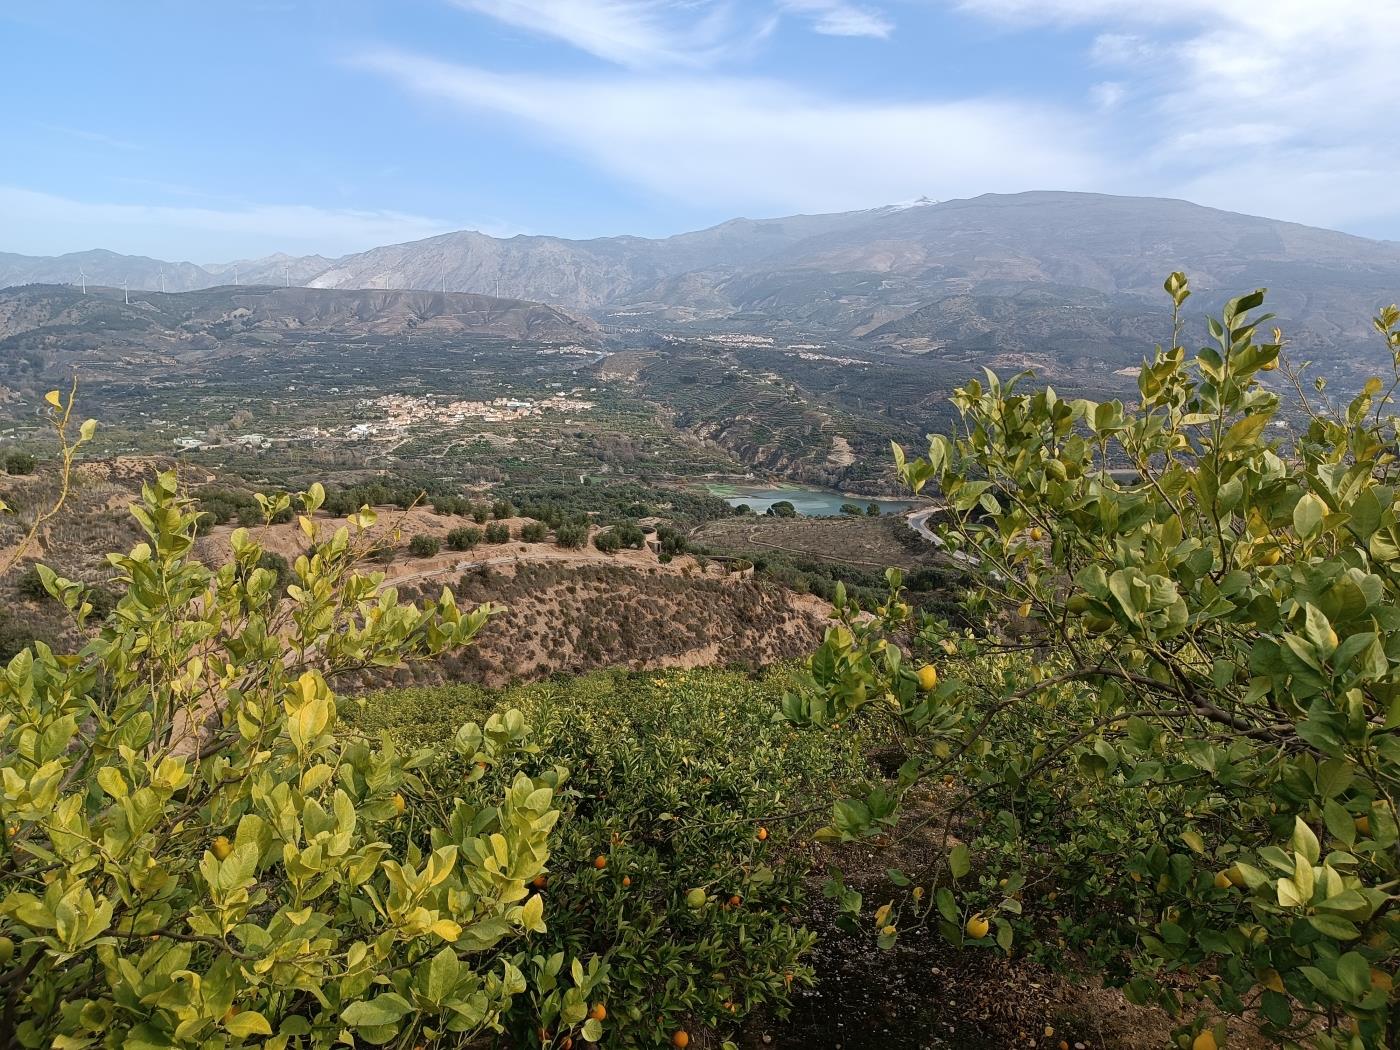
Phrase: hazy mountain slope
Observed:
(102, 268)
(60, 320)
(583, 275)
(878, 274)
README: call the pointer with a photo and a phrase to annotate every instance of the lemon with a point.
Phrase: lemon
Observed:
(221, 847)
(977, 927)
(928, 678)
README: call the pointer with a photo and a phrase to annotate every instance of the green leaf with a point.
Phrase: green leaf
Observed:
(246, 1023)
(959, 862)
(382, 1010)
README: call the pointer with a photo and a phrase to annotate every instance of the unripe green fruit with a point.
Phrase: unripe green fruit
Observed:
(7, 949)
(695, 898)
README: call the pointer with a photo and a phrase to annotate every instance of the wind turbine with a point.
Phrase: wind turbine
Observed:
(235, 276)
(162, 280)
(287, 274)
(82, 278)
(126, 294)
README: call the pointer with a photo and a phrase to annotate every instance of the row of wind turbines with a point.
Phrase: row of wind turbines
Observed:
(126, 292)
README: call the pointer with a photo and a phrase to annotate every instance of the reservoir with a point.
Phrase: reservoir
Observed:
(809, 501)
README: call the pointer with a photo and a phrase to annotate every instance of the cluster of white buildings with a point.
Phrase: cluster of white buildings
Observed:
(401, 411)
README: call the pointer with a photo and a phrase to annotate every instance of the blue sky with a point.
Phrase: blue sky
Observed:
(234, 128)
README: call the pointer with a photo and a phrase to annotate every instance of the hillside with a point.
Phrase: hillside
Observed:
(62, 320)
(1010, 272)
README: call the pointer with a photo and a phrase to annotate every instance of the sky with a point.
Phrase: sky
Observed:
(229, 129)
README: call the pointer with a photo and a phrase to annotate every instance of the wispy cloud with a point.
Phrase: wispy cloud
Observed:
(838, 18)
(737, 141)
(1284, 107)
(96, 137)
(639, 34)
(45, 223)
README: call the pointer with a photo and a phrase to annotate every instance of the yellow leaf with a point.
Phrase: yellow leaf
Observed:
(446, 929)
(52, 398)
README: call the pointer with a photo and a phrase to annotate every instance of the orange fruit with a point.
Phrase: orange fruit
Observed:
(1204, 1041)
(627, 880)
(600, 862)
(540, 881)
(735, 901)
(599, 1012)
(681, 1038)
(762, 834)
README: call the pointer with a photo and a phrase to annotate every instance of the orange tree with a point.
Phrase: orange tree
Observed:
(1186, 764)
(194, 856)
(682, 783)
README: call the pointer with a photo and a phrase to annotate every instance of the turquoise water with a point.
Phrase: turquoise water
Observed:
(809, 501)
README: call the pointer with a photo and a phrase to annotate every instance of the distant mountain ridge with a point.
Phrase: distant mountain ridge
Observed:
(62, 319)
(894, 277)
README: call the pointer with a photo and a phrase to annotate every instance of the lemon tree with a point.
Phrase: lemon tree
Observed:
(195, 855)
(1185, 759)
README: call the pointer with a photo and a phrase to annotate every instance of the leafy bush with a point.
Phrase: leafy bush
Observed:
(782, 509)
(497, 532)
(463, 539)
(30, 584)
(19, 463)
(672, 777)
(1194, 775)
(608, 542)
(424, 546)
(193, 857)
(502, 509)
(534, 532)
(571, 535)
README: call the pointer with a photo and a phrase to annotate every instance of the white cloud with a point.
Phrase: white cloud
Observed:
(1253, 103)
(634, 33)
(46, 224)
(1108, 94)
(747, 142)
(838, 18)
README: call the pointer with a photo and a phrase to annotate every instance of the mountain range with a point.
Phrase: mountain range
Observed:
(1007, 271)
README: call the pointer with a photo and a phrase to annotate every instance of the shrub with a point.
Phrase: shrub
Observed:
(502, 509)
(30, 584)
(19, 463)
(1201, 757)
(497, 532)
(463, 539)
(782, 509)
(534, 532)
(672, 776)
(851, 509)
(424, 546)
(629, 535)
(571, 535)
(170, 881)
(607, 542)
